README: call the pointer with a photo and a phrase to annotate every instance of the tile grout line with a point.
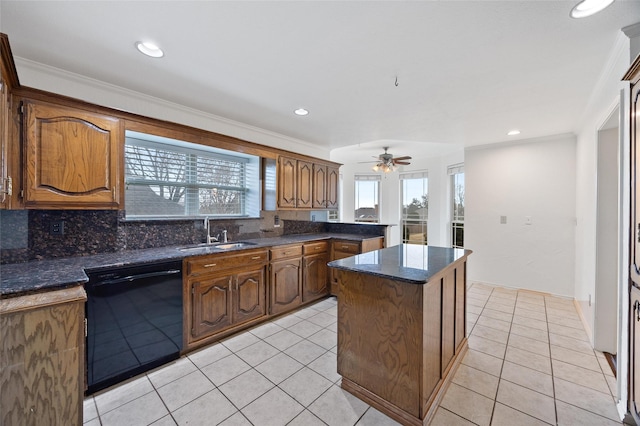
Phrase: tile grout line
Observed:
(553, 381)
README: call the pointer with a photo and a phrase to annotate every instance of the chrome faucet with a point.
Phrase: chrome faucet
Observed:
(224, 236)
(207, 227)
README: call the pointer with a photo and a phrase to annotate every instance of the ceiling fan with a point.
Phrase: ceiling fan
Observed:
(387, 163)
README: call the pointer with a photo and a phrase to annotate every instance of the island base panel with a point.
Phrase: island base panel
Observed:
(398, 414)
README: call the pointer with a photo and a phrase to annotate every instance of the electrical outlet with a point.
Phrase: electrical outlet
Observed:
(56, 227)
(527, 220)
(503, 220)
(276, 221)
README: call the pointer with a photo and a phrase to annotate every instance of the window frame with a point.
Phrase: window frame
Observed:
(191, 181)
(367, 178)
(457, 221)
(404, 219)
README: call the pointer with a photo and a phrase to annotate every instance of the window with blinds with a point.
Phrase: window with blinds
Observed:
(170, 178)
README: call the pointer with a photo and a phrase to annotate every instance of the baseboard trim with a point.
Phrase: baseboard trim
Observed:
(585, 323)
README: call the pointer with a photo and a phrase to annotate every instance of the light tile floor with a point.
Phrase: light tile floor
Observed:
(529, 363)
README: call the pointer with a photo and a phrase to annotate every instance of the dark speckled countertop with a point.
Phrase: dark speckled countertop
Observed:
(411, 263)
(36, 276)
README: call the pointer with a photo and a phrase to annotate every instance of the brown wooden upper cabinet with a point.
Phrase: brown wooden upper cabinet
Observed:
(72, 157)
(333, 180)
(325, 186)
(4, 142)
(319, 186)
(305, 184)
(9, 161)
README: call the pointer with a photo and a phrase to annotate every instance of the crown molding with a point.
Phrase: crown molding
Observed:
(89, 90)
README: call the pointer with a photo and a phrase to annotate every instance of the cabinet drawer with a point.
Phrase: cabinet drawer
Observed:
(317, 247)
(284, 252)
(216, 262)
(347, 246)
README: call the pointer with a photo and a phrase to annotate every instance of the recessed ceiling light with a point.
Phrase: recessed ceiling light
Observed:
(589, 7)
(301, 111)
(149, 49)
(513, 132)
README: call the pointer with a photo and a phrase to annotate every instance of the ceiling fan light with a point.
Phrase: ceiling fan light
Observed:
(589, 7)
(376, 167)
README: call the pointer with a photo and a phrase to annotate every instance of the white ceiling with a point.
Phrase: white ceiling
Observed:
(467, 71)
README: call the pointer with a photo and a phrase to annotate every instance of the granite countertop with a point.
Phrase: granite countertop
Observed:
(410, 263)
(43, 275)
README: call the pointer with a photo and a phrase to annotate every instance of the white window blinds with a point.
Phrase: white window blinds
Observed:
(166, 178)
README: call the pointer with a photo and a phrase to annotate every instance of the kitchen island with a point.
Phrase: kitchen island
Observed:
(401, 327)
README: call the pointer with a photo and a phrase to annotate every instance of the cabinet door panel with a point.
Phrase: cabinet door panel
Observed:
(4, 139)
(333, 181)
(285, 285)
(304, 183)
(635, 188)
(314, 280)
(448, 320)
(319, 186)
(211, 305)
(634, 348)
(461, 300)
(72, 157)
(249, 299)
(287, 168)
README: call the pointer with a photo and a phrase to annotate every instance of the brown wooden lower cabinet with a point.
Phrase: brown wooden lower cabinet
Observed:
(285, 286)
(42, 358)
(314, 271)
(222, 293)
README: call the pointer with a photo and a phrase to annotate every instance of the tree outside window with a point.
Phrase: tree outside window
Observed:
(415, 207)
(367, 195)
(457, 198)
(173, 178)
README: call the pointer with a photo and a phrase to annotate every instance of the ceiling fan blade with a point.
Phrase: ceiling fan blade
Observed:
(362, 162)
(404, 163)
(406, 157)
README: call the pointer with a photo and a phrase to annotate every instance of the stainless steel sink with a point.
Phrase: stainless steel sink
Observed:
(200, 247)
(216, 247)
(239, 244)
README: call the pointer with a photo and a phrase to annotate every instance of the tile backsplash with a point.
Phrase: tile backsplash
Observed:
(25, 234)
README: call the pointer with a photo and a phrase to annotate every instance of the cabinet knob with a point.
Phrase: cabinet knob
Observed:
(209, 265)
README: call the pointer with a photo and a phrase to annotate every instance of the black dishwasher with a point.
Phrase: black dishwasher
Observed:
(134, 321)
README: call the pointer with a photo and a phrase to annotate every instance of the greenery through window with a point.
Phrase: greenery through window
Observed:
(457, 196)
(169, 178)
(414, 189)
(367, 196)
